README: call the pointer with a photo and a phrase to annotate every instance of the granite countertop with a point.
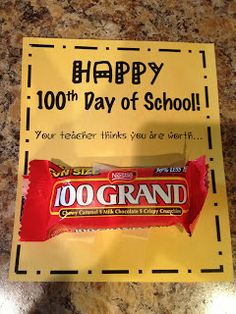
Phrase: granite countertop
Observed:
(171, 20)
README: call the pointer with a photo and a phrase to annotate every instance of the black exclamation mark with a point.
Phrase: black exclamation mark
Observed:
(198, 102)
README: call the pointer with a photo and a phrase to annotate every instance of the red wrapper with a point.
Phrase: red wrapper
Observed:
(70, 199)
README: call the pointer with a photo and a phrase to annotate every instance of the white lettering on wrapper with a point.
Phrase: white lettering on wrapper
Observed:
(87, 191)
(71, 196)
(166, 197)
(112, 197)
(177, 194)
(125, 194)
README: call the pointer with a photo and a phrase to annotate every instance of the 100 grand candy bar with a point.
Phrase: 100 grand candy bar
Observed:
(71, 199)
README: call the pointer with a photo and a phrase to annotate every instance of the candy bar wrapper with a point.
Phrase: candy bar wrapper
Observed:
(60, 199)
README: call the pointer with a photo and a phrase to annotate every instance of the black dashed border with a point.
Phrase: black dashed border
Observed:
(29, 76)
(209, 138)
(218, 233)
(212, 171)
(128, 48)
(17, 261)
(64, 272)
(213, 270)
(41, 46)
(26, 158)
(206, 96)
(114, 271)
(165, 271)
(213, 181)
(27, 119)
(203, 58)
(169, 50)
(22, 205)
(86, 47)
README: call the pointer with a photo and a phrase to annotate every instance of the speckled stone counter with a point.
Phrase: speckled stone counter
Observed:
(195, 21)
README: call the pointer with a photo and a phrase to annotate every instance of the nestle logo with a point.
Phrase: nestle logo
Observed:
(122, 176)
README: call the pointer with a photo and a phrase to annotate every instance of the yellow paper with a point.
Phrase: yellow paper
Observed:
(127, 134)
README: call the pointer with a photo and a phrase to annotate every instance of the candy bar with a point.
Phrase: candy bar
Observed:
(61, 199)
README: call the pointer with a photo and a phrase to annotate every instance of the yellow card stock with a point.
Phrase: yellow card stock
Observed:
(123, 103)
